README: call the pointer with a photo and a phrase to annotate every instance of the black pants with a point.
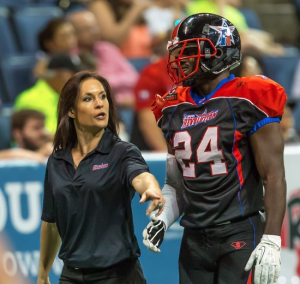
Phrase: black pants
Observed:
(127, 272)
(218, 255)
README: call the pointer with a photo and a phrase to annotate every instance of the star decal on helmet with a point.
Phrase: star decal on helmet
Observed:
(225, 34)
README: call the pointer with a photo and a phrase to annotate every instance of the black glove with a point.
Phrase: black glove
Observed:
(154, 234)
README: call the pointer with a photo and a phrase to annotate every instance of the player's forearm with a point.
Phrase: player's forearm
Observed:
(50, 242)
(173, 207)
(275, 203)
(172, 192)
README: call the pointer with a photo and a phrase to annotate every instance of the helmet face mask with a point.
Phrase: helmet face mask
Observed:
(185, 57)
(215, 45)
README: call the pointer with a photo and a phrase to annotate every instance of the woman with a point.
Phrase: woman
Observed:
(58, 36)
(89, 183)
(121, 23)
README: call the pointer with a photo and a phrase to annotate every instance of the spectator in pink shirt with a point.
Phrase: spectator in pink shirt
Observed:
(104, 57)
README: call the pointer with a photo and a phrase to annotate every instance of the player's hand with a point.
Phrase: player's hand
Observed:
(266, 260)
(153, 234)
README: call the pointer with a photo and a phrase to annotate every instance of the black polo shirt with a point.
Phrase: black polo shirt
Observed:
(91, 206)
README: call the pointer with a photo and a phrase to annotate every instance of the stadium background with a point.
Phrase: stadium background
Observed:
(21, 182)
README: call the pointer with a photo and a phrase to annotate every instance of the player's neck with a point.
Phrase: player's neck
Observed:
(205, 88)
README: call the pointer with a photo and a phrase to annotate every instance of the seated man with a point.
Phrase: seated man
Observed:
(30, 137)
(44, 95)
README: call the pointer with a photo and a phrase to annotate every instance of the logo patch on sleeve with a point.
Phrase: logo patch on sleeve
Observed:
(190, 120)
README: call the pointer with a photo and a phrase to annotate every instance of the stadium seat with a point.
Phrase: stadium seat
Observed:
(139, 63)
(52, 2)
(17, 74)
(252, 19)
(29, 21)
(281, 70)
(5, 132)
(296, 114)
(15, 3)
(8, 44)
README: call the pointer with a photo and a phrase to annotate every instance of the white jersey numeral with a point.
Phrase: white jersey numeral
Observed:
(185, 153)
(207, 152)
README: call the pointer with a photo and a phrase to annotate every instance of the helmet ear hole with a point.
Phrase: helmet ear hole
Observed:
(219, 53)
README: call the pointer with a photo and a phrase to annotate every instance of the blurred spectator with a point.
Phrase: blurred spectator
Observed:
(287, 127)
(44, 95)
(30, 137)
(257, 40)
(104, 57)
(161, 16)
(160, 19)
(220, 7)
(121, 23)
(154, 80)
(251, 65)
(58, 36)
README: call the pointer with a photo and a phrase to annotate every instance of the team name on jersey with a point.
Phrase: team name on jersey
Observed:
(190, 120)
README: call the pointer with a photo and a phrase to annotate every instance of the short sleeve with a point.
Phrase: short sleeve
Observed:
(270, 107)
(48, 201)
(132, 164)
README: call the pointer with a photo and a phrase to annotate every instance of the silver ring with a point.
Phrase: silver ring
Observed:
(159, 205)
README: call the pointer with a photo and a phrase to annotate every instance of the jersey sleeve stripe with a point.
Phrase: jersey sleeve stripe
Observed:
(263, 122)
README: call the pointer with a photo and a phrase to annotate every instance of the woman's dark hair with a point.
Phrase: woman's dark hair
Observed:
(48, 32)
(66, 133)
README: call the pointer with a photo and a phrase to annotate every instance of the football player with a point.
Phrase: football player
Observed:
(225, 159)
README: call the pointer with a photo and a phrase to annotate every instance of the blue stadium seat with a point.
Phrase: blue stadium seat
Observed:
(29, 21)
(17, 74)
(139, 63)
(252, 19)
(4, 98)
(5, 132)
(15, 3)
(296, 114)
(8, 44)
(281, 70)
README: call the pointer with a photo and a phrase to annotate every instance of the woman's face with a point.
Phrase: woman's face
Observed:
(64, 39)
(92, 107)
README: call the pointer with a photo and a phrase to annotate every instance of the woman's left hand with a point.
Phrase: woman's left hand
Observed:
(158, 201)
